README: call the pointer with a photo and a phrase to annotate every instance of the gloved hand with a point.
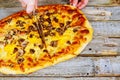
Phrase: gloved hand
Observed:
(30, 5)
(79, 3)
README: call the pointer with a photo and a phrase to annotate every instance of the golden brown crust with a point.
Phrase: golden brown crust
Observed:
(81, 39)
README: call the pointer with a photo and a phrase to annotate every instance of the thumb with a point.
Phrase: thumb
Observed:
(30, 8)
(30, 5)
(82, 4)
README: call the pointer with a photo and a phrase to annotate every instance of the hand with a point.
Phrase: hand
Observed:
(79, 3)
(30, 5)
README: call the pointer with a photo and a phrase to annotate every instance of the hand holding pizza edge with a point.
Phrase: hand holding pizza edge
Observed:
(30, 5)
(79, 3)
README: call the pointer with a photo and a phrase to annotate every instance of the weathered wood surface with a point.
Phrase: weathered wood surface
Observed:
(9, 3)
(99, 60)
(107, 66)
(80, 66)
(49, 78)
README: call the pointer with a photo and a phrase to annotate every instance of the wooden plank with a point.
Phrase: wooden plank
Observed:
(106, 29)
(106, 40)
(107, 66)
(92, 13)
(15, 3)
(102, 46)
(80, 66)
(76, 67)
(59, 78)
(102, 13)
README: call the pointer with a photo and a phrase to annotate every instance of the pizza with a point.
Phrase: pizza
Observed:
(66, 33)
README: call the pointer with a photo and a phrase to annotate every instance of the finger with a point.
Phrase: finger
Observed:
(30, 8)
(82, 4)
(71, 2)
(30, 5)
(36, 3)
(75, 2)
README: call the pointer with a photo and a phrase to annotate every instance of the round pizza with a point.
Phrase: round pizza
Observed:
(55, 33)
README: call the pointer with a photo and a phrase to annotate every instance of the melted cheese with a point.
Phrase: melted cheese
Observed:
(7, 51)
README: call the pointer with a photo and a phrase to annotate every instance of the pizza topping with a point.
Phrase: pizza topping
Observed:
(55, 19)
(68, 22)
(15, 50)
(49, 27)
(30, 59)
(41, 46)
(20, 52)
(68, 42)
(24, 44)
(8, 36)
(75, 30)
(61, 25)
(41, 18)
(15, 31)
(46, 33)
(20, 23)
(48, 14)
(32, 51)
(54, 43)
(52, 34)
(45, 50)
(48, 20)
(84, 31)
(60, 31)
(53, 28)
(31, 28)
(31, 35)
(20, 60)
(70, 11)
(21, 40)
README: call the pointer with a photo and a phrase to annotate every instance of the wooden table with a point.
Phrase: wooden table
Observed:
(99, 60)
